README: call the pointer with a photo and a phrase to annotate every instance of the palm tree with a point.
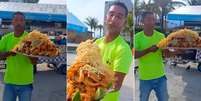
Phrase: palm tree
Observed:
(129, 28)
(95, 24)
(137, 10)
(92, 23)
(100, 27)
(89, 22)
(159, 7)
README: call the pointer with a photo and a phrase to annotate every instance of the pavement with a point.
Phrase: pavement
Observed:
(183, 85)
(48, 85)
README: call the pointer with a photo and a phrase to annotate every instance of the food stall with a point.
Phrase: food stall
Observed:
(43, 17)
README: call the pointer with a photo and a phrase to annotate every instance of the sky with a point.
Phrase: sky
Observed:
(89, 8)
(85, 8)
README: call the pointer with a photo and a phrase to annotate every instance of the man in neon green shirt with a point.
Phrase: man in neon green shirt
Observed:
(18, 77)
(115, 51)
(151, 67)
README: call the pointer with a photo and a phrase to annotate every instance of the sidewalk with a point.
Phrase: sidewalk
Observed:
(48, 85)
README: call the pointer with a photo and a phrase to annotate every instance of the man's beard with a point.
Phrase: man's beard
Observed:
(19, 27)
(112, 28)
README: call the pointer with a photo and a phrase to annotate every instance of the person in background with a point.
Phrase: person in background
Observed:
(52, 36)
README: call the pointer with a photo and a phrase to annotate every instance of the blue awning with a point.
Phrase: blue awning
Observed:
(187, 13)
(73, 23)
(35, 16)
(43, 12)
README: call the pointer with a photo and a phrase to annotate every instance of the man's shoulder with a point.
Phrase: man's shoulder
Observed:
(139, 33)
(139, 36)
(123, 43)
(159, 33)
(99, 40)
(7, 35)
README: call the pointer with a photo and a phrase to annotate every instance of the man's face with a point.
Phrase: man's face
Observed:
(115, 19)
(18, 22)
(149, 21)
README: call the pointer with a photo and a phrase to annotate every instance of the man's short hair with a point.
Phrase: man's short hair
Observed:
(145, 13)
(18, 13)
(117, 3)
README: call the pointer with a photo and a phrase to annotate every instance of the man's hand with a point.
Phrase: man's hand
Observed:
(4, 55)
(33, 60)
(11, 53)
(153, 48)
(119, 77)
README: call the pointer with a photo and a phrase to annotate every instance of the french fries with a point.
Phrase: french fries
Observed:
(87, 75)
(36, 43)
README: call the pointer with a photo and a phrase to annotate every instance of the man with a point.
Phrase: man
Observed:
(18, 77)
(151, 67)
(114, 49)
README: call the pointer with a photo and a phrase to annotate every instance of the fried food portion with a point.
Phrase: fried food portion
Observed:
(88, 74)
(183, 38)
(36, 43)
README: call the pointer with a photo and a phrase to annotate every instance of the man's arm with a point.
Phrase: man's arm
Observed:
(119, 78)
(4, 55)
(139, 54)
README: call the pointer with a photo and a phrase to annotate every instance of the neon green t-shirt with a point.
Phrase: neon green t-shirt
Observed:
(150, 65)
(19, 70)
(118, 56)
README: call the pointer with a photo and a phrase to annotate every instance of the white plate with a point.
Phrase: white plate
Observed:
(30, 55)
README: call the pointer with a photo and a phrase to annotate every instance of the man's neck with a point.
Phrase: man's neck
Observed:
(148, 32)
(18, 33)
(110, 37)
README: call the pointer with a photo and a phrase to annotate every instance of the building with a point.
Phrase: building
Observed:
(187, 16)
(43, 17)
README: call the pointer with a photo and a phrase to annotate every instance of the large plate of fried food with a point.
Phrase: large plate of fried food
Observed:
(181, 39)
(88, 79)
(36, 44)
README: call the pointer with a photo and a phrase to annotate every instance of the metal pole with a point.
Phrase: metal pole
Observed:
(162, 20)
